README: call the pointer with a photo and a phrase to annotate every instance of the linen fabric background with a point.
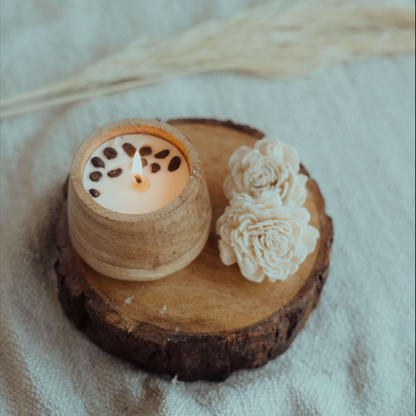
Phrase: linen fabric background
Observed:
(354, 128)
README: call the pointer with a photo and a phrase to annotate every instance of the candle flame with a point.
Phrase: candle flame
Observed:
(137, 168)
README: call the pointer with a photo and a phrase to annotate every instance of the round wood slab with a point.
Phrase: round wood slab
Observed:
(205, 321)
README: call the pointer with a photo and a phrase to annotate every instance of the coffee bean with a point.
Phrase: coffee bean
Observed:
(155, 167)
(145, 151)
(115, 172)
(162, 154)
(174, 164)
(110, 153)
(94, 193)
(97, 162)
(129, 149)
(96, 176)
(144, 162)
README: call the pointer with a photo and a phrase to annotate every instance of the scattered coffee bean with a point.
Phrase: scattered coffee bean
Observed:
(97, 162)
(162, 154)
(115, 172)
(96, 176)
(110, 153)
(145, 151)
(94, 193)
(144, 162)
(174, 164)
(155, 167)
(129, 149)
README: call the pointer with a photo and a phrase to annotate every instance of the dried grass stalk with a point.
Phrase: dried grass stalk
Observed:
(285, 39)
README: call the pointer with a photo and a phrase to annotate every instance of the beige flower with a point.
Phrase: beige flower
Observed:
(264, 237)
(270, 166)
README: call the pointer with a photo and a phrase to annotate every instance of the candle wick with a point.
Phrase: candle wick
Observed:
(138, 178)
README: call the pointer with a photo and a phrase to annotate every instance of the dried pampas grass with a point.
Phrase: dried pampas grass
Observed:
(281, 39)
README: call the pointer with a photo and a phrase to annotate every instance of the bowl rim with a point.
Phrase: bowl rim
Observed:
(134, 126)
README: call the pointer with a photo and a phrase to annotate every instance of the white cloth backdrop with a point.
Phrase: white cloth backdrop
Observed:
(354, 128)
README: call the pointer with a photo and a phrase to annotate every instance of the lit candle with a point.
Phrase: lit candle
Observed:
(135, 174)
(141, 183)
(138, 202)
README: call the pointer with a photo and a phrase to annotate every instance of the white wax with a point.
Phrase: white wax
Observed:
(120, 194)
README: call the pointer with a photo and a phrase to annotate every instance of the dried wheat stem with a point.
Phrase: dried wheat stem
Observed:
(280, 39)
(41, 92)
(84, 95)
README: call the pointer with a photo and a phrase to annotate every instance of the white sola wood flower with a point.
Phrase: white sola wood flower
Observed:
(270, 166)
(264, 237)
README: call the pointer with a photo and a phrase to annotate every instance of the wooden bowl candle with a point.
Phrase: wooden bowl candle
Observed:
(138, 202)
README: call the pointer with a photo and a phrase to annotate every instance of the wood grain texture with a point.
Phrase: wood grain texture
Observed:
(139, 247)
(205, 321)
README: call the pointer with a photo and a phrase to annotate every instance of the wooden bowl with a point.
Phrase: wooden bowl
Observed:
(139, 247)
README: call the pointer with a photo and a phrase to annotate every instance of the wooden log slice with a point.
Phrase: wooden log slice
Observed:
(205, 321)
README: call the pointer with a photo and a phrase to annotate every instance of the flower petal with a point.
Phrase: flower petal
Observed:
(227, 254)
